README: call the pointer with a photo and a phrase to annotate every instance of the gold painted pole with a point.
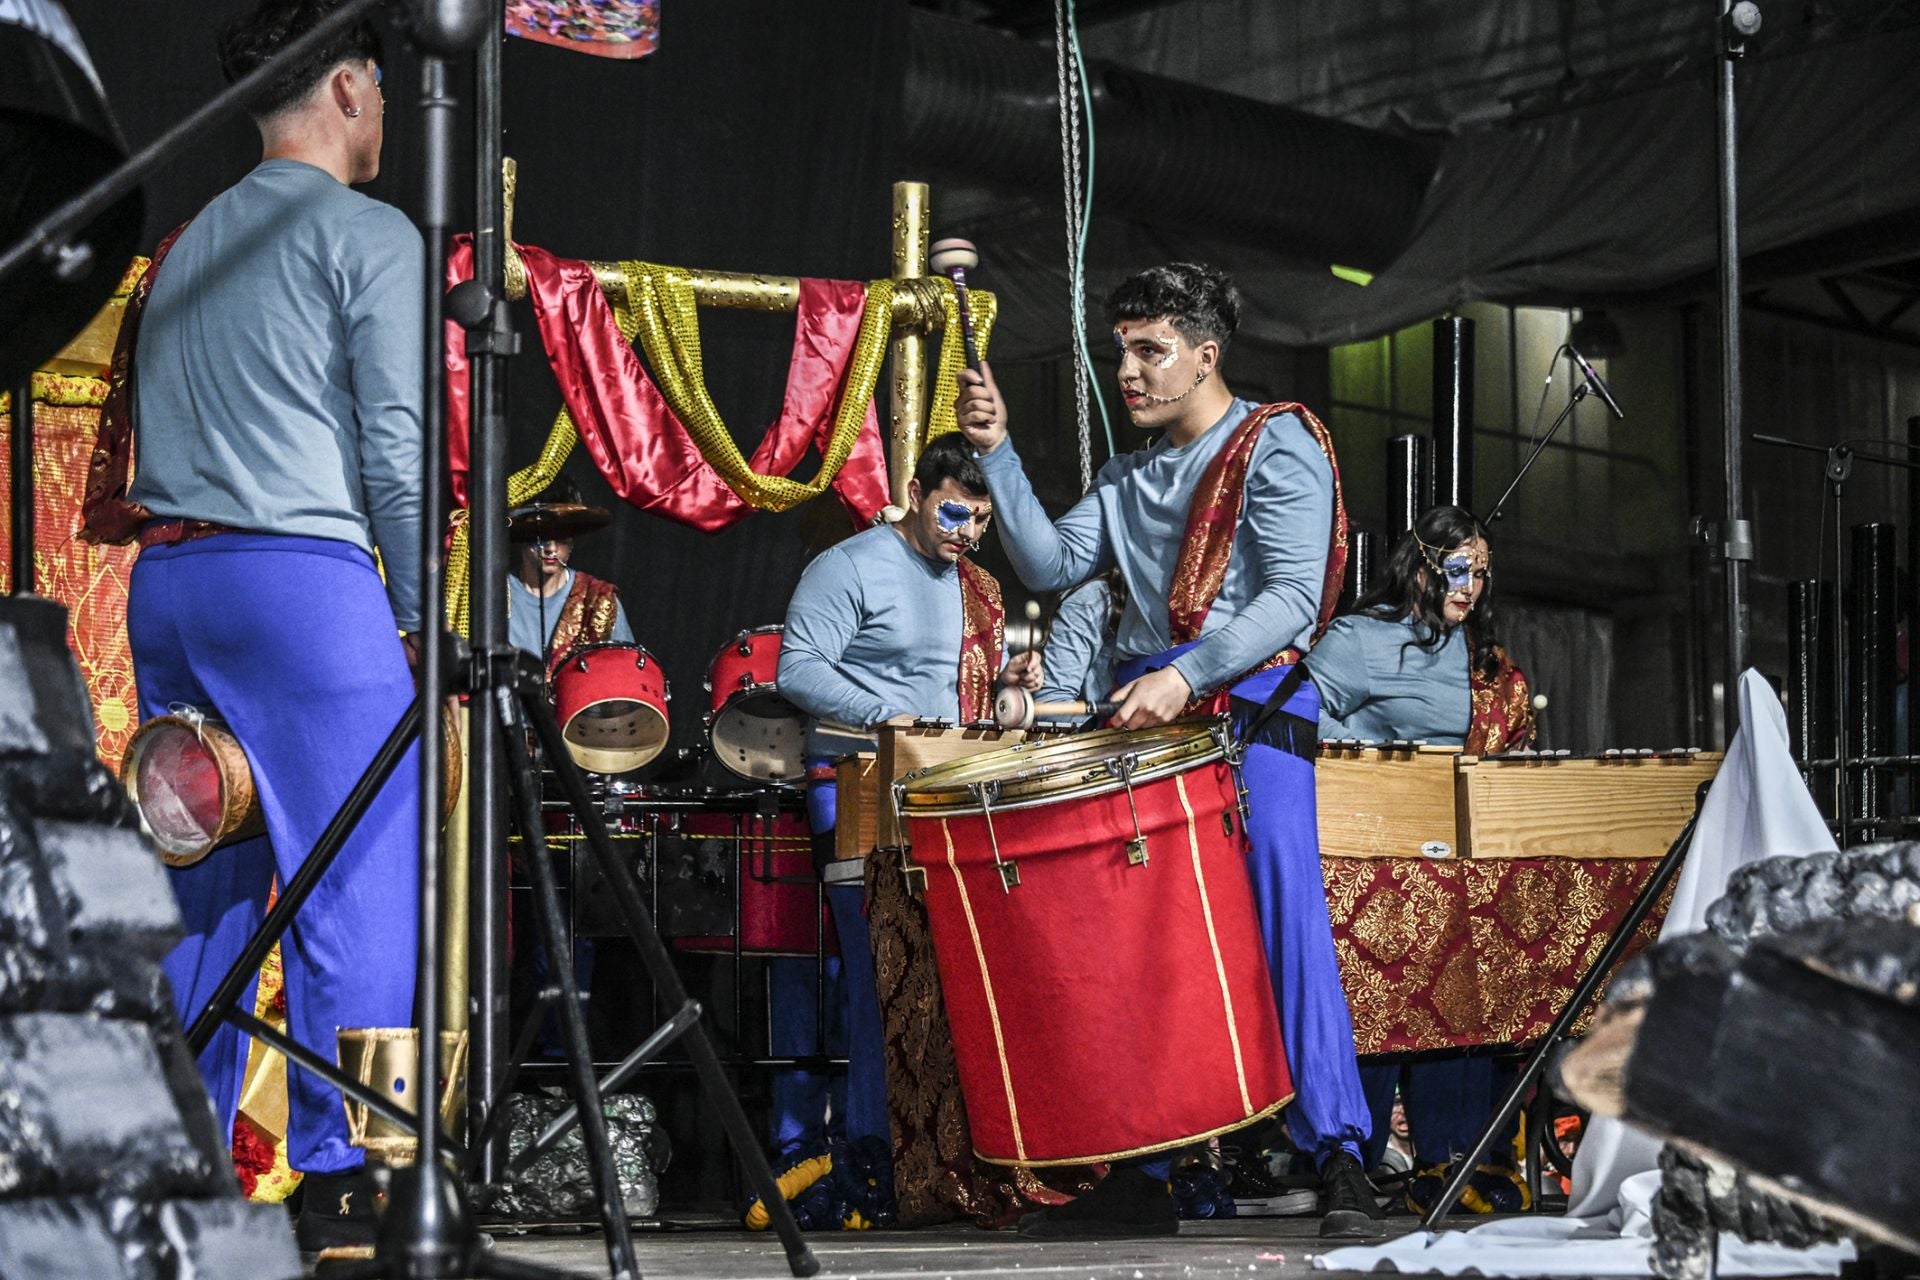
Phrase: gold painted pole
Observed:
(908, 408)
(454, 879)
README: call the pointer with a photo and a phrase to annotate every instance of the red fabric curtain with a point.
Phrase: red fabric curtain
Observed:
(634, 438)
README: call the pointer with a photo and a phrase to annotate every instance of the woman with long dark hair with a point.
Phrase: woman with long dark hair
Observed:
(1418, 659)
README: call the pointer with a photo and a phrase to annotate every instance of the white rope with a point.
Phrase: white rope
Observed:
(1067, 78)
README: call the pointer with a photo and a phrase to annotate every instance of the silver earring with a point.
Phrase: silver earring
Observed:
(353, 113)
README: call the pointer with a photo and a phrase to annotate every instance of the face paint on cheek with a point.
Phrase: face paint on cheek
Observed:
(952, 517)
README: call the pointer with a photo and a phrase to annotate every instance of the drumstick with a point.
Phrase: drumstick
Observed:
(953, 258)
(1015, 708)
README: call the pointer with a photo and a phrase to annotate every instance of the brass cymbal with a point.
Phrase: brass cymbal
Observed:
(542, 522)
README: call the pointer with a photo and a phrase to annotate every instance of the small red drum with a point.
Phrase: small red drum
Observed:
(611, 701)
(1099, 950)
(779, 889)
(755, 732)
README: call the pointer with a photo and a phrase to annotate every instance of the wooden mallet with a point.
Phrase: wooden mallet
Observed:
(953, 259)
(1014, 708)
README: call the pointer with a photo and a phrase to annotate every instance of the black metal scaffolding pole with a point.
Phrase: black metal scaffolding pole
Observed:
(1737, 21)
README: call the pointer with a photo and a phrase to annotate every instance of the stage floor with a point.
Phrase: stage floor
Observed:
(1248, 1248)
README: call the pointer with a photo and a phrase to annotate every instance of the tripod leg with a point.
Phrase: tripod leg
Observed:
(640, 928)
(573, 1023)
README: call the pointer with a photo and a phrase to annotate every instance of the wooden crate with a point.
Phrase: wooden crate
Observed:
(1584, 807)
(1380, 803)
(865, 819)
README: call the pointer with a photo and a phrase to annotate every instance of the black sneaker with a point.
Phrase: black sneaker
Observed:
(1124, 1205)
(337, 1213)
(1347, 1205)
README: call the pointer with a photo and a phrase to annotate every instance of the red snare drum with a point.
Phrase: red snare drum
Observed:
(755, 732)
(779, 889)
(1100, 955)
(611, 701)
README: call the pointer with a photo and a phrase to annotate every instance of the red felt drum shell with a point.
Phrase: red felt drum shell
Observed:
(1102, 1009)
(611, 702)
(778, 889)
(754, 732)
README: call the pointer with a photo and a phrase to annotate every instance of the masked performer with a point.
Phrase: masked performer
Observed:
(273, 399)
(1417, 660)
(894, 621)
(1230, 537)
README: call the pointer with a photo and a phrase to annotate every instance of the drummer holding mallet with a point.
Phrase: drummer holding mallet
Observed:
(1229, 536)
(894, 621)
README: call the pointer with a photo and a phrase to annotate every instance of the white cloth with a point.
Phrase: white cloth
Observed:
(1758, 807)
(1618, 1244)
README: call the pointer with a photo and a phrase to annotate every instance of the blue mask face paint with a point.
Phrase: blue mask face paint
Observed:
(955, 516)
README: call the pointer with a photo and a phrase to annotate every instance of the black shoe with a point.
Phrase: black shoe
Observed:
(1126, 1204)
(1347, 1205)
(337, 1212)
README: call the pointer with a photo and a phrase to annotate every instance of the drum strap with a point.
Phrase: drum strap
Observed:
(1267, 724)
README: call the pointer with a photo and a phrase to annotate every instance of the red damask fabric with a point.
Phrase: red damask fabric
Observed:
(983, 630)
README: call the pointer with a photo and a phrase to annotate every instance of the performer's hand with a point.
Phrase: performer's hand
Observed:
(1155, 698)
(981, 412)
(410, 645)
(1024, 671)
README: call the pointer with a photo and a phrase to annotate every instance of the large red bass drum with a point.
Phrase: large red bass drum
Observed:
(1099, 950)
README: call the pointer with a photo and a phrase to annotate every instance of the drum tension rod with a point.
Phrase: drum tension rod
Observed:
(1009, 872)
(1122, 767)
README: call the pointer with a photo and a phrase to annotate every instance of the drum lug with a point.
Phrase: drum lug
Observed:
(986, 793)
(1122, 767)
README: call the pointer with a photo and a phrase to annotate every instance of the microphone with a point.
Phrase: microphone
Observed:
(1595, 381)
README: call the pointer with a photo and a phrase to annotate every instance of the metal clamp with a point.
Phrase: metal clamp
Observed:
(1009, 872)
(1122, 767)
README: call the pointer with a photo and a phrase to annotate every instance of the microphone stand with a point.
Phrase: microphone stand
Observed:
(1580, 393)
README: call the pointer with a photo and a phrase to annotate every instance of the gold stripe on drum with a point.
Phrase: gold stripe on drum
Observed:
(993, 1009)
(1213, 940)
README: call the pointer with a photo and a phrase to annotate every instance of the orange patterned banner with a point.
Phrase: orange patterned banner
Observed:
(90, 580)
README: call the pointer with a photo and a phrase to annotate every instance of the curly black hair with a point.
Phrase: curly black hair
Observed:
(1411, 586)
(1200, 300)
(270, 26)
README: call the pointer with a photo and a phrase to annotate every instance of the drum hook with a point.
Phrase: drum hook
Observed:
(986, 793)
(1122, 767)
(193, 716)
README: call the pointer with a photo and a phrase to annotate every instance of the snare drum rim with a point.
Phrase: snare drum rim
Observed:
(943, 790)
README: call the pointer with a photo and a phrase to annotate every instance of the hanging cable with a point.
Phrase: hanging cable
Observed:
(1070, 85)
(1080, 255)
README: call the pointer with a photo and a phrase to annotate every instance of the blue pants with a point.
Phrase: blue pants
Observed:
(800, 1098)
(1447, 1099)
(1329, 1110)
(292, 643)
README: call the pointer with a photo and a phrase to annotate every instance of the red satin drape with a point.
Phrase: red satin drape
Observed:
(635, 439)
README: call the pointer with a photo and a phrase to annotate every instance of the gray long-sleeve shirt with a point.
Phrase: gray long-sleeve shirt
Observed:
(280, 368)
(1377, 683)
(1136, 517)
(1079, 657)
(873, 632)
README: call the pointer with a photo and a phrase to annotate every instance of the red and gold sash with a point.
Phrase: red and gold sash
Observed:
(1213, 519)
(106, 514)
(1502, 709)
(983, 631)
(592, 608)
